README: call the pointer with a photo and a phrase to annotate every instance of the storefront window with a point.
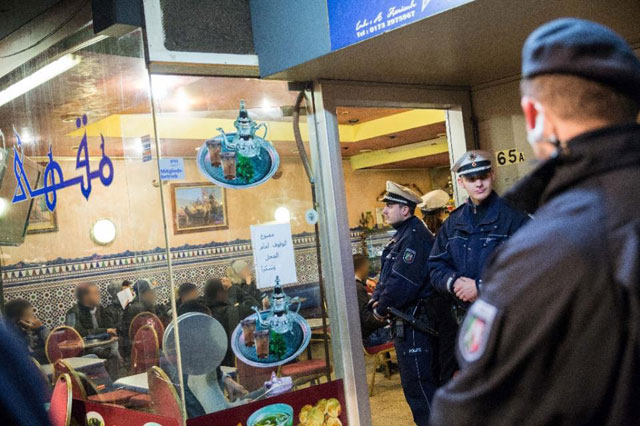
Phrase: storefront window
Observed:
(240, 221)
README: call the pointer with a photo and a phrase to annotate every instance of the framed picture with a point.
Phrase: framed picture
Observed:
(41, 220)
(198, 207)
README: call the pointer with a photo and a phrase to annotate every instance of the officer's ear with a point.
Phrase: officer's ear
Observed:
(530, 111)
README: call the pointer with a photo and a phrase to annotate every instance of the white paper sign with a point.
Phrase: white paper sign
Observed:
(125, 297)
(273, 254)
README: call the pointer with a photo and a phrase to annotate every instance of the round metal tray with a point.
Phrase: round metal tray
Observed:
(265, 165)
(296, 340)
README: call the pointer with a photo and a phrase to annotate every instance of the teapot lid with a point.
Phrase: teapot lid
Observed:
(243, 116)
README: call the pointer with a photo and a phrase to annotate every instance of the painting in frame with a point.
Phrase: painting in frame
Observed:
(41, 220)
(198, 207)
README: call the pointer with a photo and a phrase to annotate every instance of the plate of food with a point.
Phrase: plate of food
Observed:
(272, 415)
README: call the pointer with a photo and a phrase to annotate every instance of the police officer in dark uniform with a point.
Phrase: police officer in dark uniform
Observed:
(465, 242)
(404, 285)
(554, 337)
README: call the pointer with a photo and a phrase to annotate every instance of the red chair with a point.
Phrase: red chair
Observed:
(61, 399)
(252, 378)
(164, 398)
(60, 368)
(145, 350)
(80, 387)
(63, 342)
(146, 318)
(378, 352)
(304, 371)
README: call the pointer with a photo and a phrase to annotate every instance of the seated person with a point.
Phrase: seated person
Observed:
(186, 292)
(87, 317)
(242, 288)
(234, 390)
(113, 313)
(145, 301)
(374, 332)
(216, 299)
(30, 329)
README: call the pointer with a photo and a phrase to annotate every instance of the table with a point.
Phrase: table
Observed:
(78, 364)
(96, 343)
(136, 383)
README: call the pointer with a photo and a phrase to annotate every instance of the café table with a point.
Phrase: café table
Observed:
(81, 364)
(136, 383)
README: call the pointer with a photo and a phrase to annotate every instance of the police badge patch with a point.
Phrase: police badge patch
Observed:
(409, 256)
(476, 329)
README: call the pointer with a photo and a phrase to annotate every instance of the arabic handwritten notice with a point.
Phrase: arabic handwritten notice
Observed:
(273, 254)
(172, 168)
(351, 21)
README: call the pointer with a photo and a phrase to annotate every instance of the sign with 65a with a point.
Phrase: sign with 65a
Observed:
(507, 157)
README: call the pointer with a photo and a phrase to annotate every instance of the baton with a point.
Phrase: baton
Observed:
(413, 321)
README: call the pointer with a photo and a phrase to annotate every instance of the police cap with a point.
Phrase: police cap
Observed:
(584, 49)
(472, 163)
(399, 194)
(434, 200)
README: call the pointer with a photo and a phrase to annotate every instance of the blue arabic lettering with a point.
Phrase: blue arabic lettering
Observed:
(265, 236)
(53, 178)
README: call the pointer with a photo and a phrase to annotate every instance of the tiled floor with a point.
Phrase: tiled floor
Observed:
(388, 406)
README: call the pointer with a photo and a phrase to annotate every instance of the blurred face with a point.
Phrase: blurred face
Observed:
(192, 295)
(363, 271)
(28, 315)
(246, 272)
(149, 297)
(92, 297)
(395, 213)
(478, 187)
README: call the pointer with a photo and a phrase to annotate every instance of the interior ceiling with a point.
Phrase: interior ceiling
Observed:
(103, 86)
(470, 45)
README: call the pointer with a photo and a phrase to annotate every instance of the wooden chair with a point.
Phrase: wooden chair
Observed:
(63, 342)
(378, 353)
(164, 398)
(145, 350)
(61, 400)
(146, 318)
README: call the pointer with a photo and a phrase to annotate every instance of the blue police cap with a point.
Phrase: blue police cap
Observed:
(584, 49)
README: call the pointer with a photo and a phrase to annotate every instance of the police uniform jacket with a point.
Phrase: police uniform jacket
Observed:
(404, 274)
(468, 237)
(555, 337)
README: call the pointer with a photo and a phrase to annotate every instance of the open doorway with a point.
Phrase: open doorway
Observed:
(410, 147)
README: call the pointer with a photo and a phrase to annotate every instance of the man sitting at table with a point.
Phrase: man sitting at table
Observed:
(374, 331)
(30, 329)
(87, 317)
(145, 301)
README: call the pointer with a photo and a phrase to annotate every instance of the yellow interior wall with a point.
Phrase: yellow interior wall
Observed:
(133, 203)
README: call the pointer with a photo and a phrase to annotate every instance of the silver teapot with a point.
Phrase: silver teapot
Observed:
(245, 141)
(280, 318)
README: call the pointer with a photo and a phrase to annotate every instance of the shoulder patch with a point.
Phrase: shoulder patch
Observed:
(409, 256)
(476, 329)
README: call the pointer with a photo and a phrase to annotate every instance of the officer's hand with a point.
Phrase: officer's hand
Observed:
(465, 289)
(378, 316)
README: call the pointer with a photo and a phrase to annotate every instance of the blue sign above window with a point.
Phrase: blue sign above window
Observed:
(352, 21)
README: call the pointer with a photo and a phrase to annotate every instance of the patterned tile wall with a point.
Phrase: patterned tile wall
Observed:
(50, 287)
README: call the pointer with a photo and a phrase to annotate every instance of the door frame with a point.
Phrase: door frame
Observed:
(336, 251)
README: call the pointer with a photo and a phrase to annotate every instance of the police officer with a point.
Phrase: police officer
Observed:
(554, 337)
(471, 232)
(403, 284)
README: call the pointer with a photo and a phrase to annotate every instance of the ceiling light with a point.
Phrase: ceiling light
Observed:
(39, 77)
(354, 120)
(282, 215)
(366, 150)
(103, 232)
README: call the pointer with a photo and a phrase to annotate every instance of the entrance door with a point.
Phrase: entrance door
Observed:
(367, 134)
